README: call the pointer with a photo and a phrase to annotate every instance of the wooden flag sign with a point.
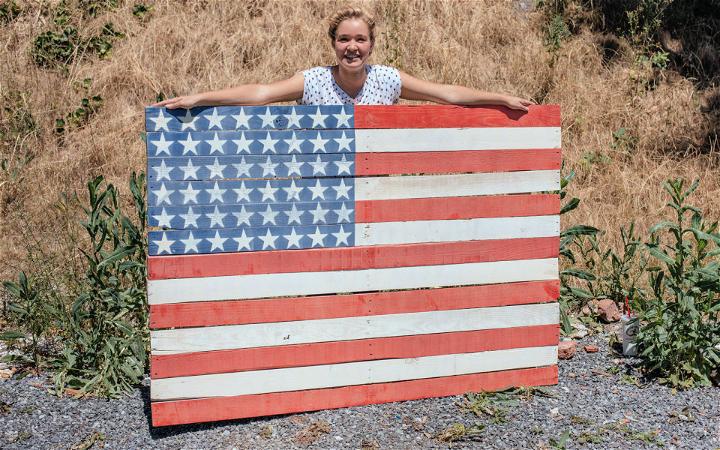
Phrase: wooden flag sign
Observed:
(306, 257)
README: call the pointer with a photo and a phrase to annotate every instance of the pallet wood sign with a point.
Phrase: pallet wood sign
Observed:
(305, 258)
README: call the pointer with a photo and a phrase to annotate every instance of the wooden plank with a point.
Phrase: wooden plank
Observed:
(225, 361)
(445, 208)
(312, 283)
(456, 162)
(224, 408)
(203, 314)
(455, 139)
(429, 186)
(432, 116)
(349, 374)
(204, 339)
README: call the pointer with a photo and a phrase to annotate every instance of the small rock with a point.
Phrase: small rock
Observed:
(608, 310)
(566, 349)
(591, 348)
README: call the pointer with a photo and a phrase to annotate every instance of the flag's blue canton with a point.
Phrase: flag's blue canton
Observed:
(249, 118)
(229, 190)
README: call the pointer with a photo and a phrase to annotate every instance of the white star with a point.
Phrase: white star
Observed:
(319, 143)
(268, 216)
(343, 190)
(161, 121)
(268, 120)
(216, 217)
(189, 170)
(216, 169)
(294, 215)
(243, 216)
(342, 236)
(189, 194)
(319, 214)
(190, 219)
(293, 118)
(241, 119)
(343, 166)
(163, 195)
(164, 245)
(294, 166)
(293, 239)
(244, 242)
(318, 191)
(163, 219)
(343, 213)
(243, 193)
(293, 191)
(190, 243)
(243, 144)
(268, 167)
(268, 192)
(189, 145)
(268, 240)
(343, 142)
(216, 144)
(162, 145)
(317, 237)
(318, 166)
(343, 119)
(217, 242)
(188, 121)
(318, 119)
(163, 172)
(215, 119)
(216, 193)
(243, 168)
(269, 144)
(294, 144)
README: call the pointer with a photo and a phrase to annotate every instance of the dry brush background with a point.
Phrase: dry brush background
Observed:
(185, 47)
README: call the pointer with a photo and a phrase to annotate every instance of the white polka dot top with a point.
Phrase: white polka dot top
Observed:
(382, 87)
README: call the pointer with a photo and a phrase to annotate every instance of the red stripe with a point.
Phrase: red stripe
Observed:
(449, 208)
(223, 361)
(457, 161)
(351, 258)
(240, 312)
(443, 116)
(242, 406)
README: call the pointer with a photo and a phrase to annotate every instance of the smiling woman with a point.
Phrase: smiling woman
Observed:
(351, 81)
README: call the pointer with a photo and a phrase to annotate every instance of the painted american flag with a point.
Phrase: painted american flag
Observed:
(311, 257)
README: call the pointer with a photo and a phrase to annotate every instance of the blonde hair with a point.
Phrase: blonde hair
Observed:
(350, 13)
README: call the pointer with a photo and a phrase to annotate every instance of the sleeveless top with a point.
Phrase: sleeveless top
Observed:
(382, 87)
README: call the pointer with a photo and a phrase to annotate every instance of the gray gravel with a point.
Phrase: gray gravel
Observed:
(597, 402)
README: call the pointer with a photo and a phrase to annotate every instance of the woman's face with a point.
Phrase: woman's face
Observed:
(352, 44)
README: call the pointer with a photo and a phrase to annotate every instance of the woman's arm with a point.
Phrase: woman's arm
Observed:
(246, 94)
(417, 89)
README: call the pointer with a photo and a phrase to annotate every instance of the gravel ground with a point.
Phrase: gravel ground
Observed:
(599, 401)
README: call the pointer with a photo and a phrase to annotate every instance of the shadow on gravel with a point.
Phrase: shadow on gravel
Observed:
(175, 430)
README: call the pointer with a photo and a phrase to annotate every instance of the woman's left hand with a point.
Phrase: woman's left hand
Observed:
(518, 103)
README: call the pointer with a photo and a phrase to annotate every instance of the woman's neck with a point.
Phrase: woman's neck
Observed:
(351, 81)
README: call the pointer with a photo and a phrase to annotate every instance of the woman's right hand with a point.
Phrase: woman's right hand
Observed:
(184, 102)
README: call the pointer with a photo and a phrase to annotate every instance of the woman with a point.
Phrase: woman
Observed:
(352, 80)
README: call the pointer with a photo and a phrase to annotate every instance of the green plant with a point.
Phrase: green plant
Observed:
(103, 43)
(492, 404)
(53, 48)
(679, 332)
(556, 32)
(9, 10)
(459, 431)
(142, 11)
(79, 116)
(105, 339)
(93, 7)
(623, 141)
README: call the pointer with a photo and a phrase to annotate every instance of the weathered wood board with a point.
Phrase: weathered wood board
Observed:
(305, 257)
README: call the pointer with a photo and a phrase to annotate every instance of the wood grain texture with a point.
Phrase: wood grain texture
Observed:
(223, 408)
(224, 361)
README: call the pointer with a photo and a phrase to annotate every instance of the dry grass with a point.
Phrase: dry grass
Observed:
(490, 45)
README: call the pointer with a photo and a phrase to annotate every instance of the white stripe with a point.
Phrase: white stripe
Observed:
(309, 283)
(453, 139)
(349, 374)
(186, 340)
(426, 186)
(456, 230)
